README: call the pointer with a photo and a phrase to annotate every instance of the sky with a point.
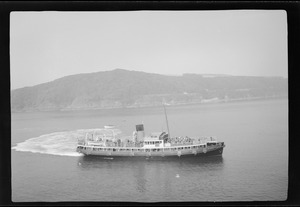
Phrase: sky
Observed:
(48, 45)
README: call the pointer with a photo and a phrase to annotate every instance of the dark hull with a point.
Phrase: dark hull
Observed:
(97, 162)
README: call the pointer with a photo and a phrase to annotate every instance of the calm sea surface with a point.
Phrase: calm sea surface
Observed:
(254, 165)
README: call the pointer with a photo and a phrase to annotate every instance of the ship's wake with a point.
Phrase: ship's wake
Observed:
(57, 143)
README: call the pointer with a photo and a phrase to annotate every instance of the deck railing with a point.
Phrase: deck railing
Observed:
(139, 149)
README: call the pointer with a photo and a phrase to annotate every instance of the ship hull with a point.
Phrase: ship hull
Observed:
(162, 154)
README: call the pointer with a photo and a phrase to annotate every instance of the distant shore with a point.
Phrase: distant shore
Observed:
(205, 101)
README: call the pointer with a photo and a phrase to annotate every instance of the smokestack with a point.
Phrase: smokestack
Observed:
(140, 132)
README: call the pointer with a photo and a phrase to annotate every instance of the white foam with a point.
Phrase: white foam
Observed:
(56, 143)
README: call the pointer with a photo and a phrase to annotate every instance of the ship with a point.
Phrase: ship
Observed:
(106, 142)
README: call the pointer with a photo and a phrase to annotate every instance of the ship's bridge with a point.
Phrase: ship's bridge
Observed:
(156, 135)
(154, 140)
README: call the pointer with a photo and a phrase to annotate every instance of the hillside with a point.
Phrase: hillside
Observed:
(124, 88)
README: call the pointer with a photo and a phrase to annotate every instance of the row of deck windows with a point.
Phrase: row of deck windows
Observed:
(143, 150)
(153, 142)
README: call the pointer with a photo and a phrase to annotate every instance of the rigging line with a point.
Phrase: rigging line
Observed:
(167, 121)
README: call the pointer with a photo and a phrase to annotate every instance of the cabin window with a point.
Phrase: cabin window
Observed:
(128, 149)
(147, 150)
(158, 150)
(114, 149)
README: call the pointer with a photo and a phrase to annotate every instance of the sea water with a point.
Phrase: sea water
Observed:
(253, 167)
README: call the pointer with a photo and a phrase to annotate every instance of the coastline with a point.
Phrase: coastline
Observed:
(202, 102)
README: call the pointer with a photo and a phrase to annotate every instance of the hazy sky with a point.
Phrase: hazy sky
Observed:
(45, 46)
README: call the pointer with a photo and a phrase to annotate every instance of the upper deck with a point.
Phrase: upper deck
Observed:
(154, 140)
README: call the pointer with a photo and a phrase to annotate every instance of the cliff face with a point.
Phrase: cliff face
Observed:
(123, 88)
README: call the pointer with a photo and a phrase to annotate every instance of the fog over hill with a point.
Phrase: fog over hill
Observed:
(124, 88)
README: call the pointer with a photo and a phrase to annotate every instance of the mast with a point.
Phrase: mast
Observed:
(167, 121)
